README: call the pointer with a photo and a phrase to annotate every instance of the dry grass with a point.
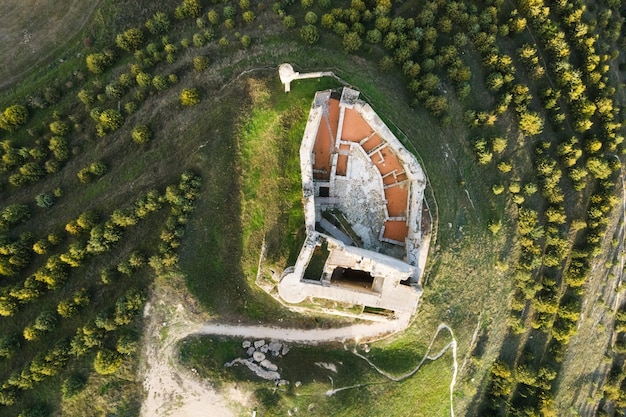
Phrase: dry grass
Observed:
(34, 31)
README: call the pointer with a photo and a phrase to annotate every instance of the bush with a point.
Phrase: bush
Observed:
(189, 97)
(309, 34)
(310, 18)
(200, 63)
(107, 362)
(73, 385)
(98, 168)
(245, 41)
(351, 42)
(44, 200)
(249, 16)
(13, 117)
(289, 22)
(159, 24)
(130, 40)
(59, 128)
(141, 134)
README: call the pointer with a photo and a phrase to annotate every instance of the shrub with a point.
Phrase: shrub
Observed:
(245, 41)
(309, 34)
(99, 61)
(98, 168)
(249, 16)
(351, 42)
(73, 385)
(130, 40)
(310, 18)
(141, 134)
(289, 22)
(13, 117)
(59, 128)
(44, 200)
(200, 63)
(188, 9)
(158, 24)
(111, 119)
(373, 36)
(107, 362)
(189, 97)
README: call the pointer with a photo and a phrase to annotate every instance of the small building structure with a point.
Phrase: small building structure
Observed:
(362, 195)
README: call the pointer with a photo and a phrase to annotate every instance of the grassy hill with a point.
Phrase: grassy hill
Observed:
(111, 183)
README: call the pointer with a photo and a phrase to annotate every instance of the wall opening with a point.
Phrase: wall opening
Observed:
(352, 278)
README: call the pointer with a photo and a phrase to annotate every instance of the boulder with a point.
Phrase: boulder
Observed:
(264, 348)
(246, 344)
(259, 343)
(258, 356)
(269, 365)
(284, 350)
(275, 347)
(250, 350)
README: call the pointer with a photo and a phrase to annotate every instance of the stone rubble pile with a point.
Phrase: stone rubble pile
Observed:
(258, 352)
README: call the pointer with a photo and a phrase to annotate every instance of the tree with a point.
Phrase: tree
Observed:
(530, 123)
(351, 42)
(111, 119)
(289, 22)
(13, 214)
(107, 362)
(59, 128)
(73, 385)
(248, 16)
(44, 200)
(309, 34)
(214, 17)
(599, 168)
(188, 9)
(310, 18)
(98, 168)
(200, 63)
(189, 97)
(159, 24)
(13, 117)
(99, 61)
(9, 344)
(130, 40)
(127, 343)
(141, 134)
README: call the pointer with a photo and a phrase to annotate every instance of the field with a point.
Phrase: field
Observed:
(131, 161)
(35, 32)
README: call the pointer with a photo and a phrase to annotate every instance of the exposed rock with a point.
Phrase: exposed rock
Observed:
(264, 348)
(330, 366)
(269, 365)
(259, 343)
(258, 356)
(285, 350)
(246, 344)
(366, 348)
(298, 383)
(260, 372)
(282, 382)
(250, 350)
(275, 346)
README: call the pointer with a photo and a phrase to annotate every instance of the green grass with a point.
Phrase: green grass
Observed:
(378, 396)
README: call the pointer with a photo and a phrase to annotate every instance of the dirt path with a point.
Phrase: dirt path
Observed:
(356, 332)
(172, 390)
